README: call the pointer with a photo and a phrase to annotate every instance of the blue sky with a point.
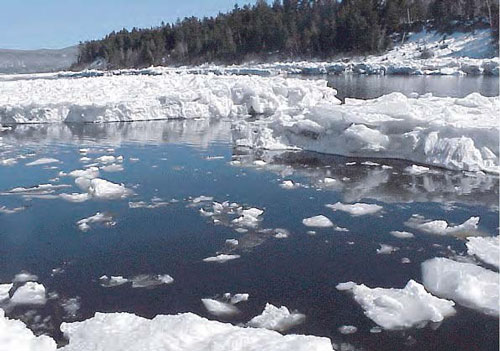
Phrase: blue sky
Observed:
(35, 24)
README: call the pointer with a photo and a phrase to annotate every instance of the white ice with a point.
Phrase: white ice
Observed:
(219, 308)
(400, 308)
(30, 293)
(279, 319)
(221, 258)
(319, 221)
(102, 189)
(402, 234)
(43, 161)
(441, 227)
(487, 249)
(465, 283)
(357, 209)
(104, 218)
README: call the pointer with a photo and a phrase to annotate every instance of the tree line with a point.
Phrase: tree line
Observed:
(283, 29)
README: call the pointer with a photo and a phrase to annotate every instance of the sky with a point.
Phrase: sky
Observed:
(54, 24)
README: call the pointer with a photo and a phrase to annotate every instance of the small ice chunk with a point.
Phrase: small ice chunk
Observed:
(249, 218)
(30, 293)
(281, 233)
(71, 307)
(319, 221)
(405, 260)
(329, 181)
(402, 308)
(232, 242)
(102, 189)
(24, 277)
(386, 249)
(279, 319)
(202, 198)
(5, 210)
(221, 258)
(288, 184)
(465, 283)
(150, 280)
(370, 163)
(219, 308)
(109, 282)
(347, 329)
(417, 170)
(357, 209)
(75, 197)
(237, 298)
(487, 249)
(345, 286)
(106, 159)
(106, 219)
(441, 227)
(114, 167)
(402, 234)
(89, 173)
(259, 163)
(43, 161)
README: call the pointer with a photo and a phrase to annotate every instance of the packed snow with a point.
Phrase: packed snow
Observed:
(465, 283)
(400, 308)
(357, 209)
(487, 249)
(279, 319)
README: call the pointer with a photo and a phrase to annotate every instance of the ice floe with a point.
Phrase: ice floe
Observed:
(487, 249)
(347, 329)
(137, 281)
(102, 189)
(31, 293)
(219, 308)
(182, 332)
(43, 161)
(386, 249)
(465, 283)
(357, 209)
(14, 335)
(103, 218)
(400, 308)
(222, 258)
(279, 319)
(319, 221)
(402, 234)
(441, 227)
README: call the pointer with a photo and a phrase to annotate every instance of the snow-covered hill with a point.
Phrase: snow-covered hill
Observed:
(31, 61)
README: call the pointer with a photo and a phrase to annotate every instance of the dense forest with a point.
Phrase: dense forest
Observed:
(283, 29)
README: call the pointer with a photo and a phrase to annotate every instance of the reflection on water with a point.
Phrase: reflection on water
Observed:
(369, 87)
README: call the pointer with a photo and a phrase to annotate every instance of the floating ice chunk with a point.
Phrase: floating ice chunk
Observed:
(148, 280)
(6, 210)
(24, 277)
(416, 170)
(357, 209)
(487, 249)
(249, 217)
(43, 161)
(402, 308)
(319, 221)
(106, 219)
(464, 283)
(41, 189)
(75, 197)
(90, 173)
(345, 286)
(441, 227)
(232, 242)
(71, 307)
(279, 319)
(114, 167)
(8, 161)
(405, 260)
(281, 233)
(30, 293)
(182, 332)
(348, 329)
(106, 159)
(202, 198)
(143, 204)
(221, 258)
(14, 335)
(4, 291)
(386, 249)
(259, 163)
(288, 184)
(402, 234)
(237, 298)
(370, 163)
(329, 181)
(102, 189)
(219, 308)
(109, 282)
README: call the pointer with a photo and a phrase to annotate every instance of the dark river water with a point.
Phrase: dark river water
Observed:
(183, 159)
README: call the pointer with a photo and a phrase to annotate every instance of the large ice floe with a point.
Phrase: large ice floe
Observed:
(487, 249)
(400, 308)
(465, 283)
(459, 134)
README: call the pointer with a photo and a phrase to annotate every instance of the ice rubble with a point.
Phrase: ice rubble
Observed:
(441, 227)
(459, 134)
(400, 308)
(14, 335)
(279, 319)
(357, 209)
(465, 283)
(132, 98)
(487, 249)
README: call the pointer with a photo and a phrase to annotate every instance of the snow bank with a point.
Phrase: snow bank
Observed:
(487, 249)
(14, 335)
(459, 134)
(400, 308)
(464, 283)
(182, 332)
(132, 98)
(279, 319)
